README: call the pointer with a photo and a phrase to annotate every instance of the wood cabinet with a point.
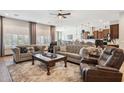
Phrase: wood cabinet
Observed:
(95, 34)
(114, 31)
(100, 34)
(105, 33)
(85, 35)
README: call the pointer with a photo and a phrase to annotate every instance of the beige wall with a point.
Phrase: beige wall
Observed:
(0, 38)
(121, 31)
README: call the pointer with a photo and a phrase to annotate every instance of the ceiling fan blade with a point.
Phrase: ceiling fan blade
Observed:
(53, 14)
(60, 11)
(66, 14)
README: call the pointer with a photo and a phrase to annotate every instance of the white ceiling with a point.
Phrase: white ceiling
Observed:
(95, 18)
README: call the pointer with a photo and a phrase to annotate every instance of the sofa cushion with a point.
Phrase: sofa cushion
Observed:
(85, 65)
(30, 49)
(106, 68)
(73, 48)
(70, 48)
(91, 49)
(62, 53)
(106, 58)
(63, 48)
(73, 55)
(113, 60)
(109, 50)
(74, 60)
(101, 62)
(24, 55)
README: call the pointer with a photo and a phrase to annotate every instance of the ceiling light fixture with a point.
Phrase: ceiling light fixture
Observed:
(61, 15)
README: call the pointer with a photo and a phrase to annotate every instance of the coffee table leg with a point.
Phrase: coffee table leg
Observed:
(48, 69)
(65, 62)
(32, 60)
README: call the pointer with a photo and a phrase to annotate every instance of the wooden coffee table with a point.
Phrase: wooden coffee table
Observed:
(49, 61)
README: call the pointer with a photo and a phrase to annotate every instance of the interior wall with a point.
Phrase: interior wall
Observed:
(75, 30)
(70, 30)
(121, 31)
(0, 37)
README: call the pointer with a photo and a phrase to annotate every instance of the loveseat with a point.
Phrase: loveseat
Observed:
(24, 52)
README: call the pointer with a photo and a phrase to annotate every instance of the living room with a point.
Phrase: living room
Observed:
(57, 45)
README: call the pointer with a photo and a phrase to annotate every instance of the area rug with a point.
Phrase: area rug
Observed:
(26, 72)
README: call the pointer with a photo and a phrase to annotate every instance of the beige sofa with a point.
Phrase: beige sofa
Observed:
(24, 53)
(75, 53)
(72, 53)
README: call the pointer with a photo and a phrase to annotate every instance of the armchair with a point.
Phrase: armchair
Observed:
(105, 69)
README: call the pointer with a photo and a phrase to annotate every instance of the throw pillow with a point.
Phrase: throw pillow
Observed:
(36, 48)
(84, 53)
(30, 49)
(23, 50)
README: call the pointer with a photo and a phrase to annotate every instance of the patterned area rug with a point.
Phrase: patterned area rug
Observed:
(26, 72)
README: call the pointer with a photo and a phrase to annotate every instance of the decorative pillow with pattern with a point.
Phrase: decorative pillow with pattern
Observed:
(23, 50)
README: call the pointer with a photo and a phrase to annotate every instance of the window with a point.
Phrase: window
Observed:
(43, 34)
(70, 37)
(15, 32)
(58, 37)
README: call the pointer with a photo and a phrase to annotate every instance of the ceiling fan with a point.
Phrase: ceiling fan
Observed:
(60, 14)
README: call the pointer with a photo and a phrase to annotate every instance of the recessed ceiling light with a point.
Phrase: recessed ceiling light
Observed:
(16, 15)
(49, 22)
(101, 20)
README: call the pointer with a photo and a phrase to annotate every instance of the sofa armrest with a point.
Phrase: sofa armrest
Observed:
(106, 68)
(16, 54)
(99, 75)
(89, 61)
(16, 50)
